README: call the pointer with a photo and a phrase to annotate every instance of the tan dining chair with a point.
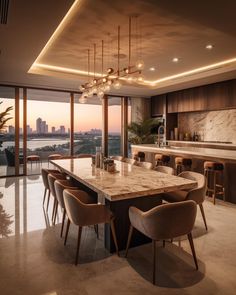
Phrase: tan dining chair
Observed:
(165, 169)
(52, 177)
(117, 158)
(44, 173)
(60, 185)
(196, 194)
(164, 222)
(146, 165)
(82, 213)
(129, 161)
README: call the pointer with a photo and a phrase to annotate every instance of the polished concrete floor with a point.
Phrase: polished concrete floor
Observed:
(34, 261)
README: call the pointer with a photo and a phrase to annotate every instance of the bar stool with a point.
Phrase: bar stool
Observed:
(182, 164)
(140, 157)
(162, 160)
(216, 171)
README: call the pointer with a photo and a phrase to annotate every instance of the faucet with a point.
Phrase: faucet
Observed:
(161, 127)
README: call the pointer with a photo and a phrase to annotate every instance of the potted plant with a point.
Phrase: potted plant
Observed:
(143, 131)
(4, 117)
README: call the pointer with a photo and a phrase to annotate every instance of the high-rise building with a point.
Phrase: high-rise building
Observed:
(62, 129)
(53, 130)
(29, 129)
(11, 129)
(39, 125)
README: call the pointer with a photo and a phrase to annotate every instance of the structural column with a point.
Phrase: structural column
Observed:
(124, 123)
(105, 125)
(17, 122)
(71, 124)
(25, 130)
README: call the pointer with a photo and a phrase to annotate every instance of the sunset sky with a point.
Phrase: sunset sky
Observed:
(57, 114)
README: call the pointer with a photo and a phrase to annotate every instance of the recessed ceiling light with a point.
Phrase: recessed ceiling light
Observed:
(152, 69)
(209, 46)
(175, 59)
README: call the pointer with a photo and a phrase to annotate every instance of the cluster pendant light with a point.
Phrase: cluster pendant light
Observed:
(102, 83)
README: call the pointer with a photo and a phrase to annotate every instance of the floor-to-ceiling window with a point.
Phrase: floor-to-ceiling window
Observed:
(48, 127)
(87, 125)
(114, 126)
(7, 133)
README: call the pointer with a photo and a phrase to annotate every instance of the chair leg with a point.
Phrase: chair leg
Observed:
(129, 239)
(96, 230)
(54, 207)
(154, 262)
(67, 230)
(63, 222)
(44, 196)
(190, 238)
(203, 215)
(55, 213)
(114, 235)
(78, 244)
(48, 200)
(214, 196)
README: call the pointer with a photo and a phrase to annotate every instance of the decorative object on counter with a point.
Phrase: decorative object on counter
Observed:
(161, 159)
(182, 164)
(195, 136)
(214, 172)
(98, 155)
(93, 160)
(172, 135)
(176, 133)
(142, 131)
(187, 136)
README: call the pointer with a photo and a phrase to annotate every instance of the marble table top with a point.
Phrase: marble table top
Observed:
(130, 182)
(198, 152)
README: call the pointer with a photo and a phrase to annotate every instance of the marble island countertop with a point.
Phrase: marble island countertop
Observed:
(210, 144)
(198, 152)
(130, 182)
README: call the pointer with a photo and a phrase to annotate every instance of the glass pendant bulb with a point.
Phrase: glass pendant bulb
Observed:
(117, 84)
(95, 90)
(139, 64)
(140, 78)
(107, 88)
(82, 98)
(100, 94)
(109, 82)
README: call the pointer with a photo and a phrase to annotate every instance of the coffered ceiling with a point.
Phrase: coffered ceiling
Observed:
(58, 36)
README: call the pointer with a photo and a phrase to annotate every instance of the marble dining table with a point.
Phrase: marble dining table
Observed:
(129, 186)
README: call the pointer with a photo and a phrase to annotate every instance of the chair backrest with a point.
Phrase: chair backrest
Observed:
(84, 156)
(196, 194)
(60, 185)
(78, 211)
(129, 161)
(165, 169)
(10, 158)
(52, 177)
(117, 158)
(169, 220)
(146, 165)
(44, 173)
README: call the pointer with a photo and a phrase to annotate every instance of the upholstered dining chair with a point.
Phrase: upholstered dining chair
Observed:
(60, 185)
(44, 173)
(129, 161)
(82, 213)
(117, 158)
(146, 165)
(196, 194)
(164, 222)
(165, 169)
(52, 177)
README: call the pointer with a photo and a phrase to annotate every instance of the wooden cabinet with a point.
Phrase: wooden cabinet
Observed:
(211, 97)
(158, 105)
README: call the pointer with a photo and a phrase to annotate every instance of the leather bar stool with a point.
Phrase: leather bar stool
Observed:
(214, 172)
(182, 164)
(162, 160)
(140, 157)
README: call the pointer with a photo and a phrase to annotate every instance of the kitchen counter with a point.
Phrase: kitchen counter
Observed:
(197, 152)
(208, 144)
(198, 155)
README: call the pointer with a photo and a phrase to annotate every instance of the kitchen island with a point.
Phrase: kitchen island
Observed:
(199, 155)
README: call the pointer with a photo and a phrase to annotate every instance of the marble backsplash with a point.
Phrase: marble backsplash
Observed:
(211, 126)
